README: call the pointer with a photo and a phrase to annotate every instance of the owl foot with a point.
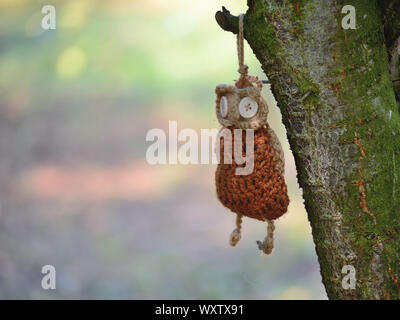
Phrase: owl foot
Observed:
(268, 244)
(235, 237)
(236, 234)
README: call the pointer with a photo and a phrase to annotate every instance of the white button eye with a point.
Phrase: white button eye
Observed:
(223, 106)
(248, 107)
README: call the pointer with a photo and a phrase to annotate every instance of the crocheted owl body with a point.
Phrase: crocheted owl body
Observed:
(263, 193)
(249, 182)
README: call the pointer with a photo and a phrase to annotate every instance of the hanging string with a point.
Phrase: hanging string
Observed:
(240, 48)
(268, 243)
(245, 80)
(236, 234)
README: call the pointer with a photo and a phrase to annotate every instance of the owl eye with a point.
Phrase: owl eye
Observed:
(248, 107)
(223, 106)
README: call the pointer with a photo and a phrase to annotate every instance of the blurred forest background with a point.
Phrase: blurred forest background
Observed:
(75, 189)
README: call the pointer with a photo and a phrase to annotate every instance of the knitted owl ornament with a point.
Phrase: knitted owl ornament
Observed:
(261, 194)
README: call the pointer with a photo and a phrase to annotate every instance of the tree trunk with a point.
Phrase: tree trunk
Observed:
(337, 96)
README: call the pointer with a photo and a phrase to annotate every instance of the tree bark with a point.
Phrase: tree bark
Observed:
(335, 91)
(391, 23)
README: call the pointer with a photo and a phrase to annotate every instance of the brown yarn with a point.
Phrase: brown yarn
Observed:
(236, 234)
(260, 195)
(245, 80)
(240, 48)
(268, 243)
(234, 94)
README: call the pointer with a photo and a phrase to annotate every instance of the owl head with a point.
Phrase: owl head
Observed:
(243, 108)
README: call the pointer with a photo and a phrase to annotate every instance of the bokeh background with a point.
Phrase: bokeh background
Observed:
(75, 189)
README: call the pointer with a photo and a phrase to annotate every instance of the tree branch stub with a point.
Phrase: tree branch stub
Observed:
(227, 21)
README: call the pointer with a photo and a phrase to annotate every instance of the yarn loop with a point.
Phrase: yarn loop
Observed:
(245, 80)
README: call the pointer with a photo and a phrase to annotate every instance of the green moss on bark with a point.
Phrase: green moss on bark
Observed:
(372, 115)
